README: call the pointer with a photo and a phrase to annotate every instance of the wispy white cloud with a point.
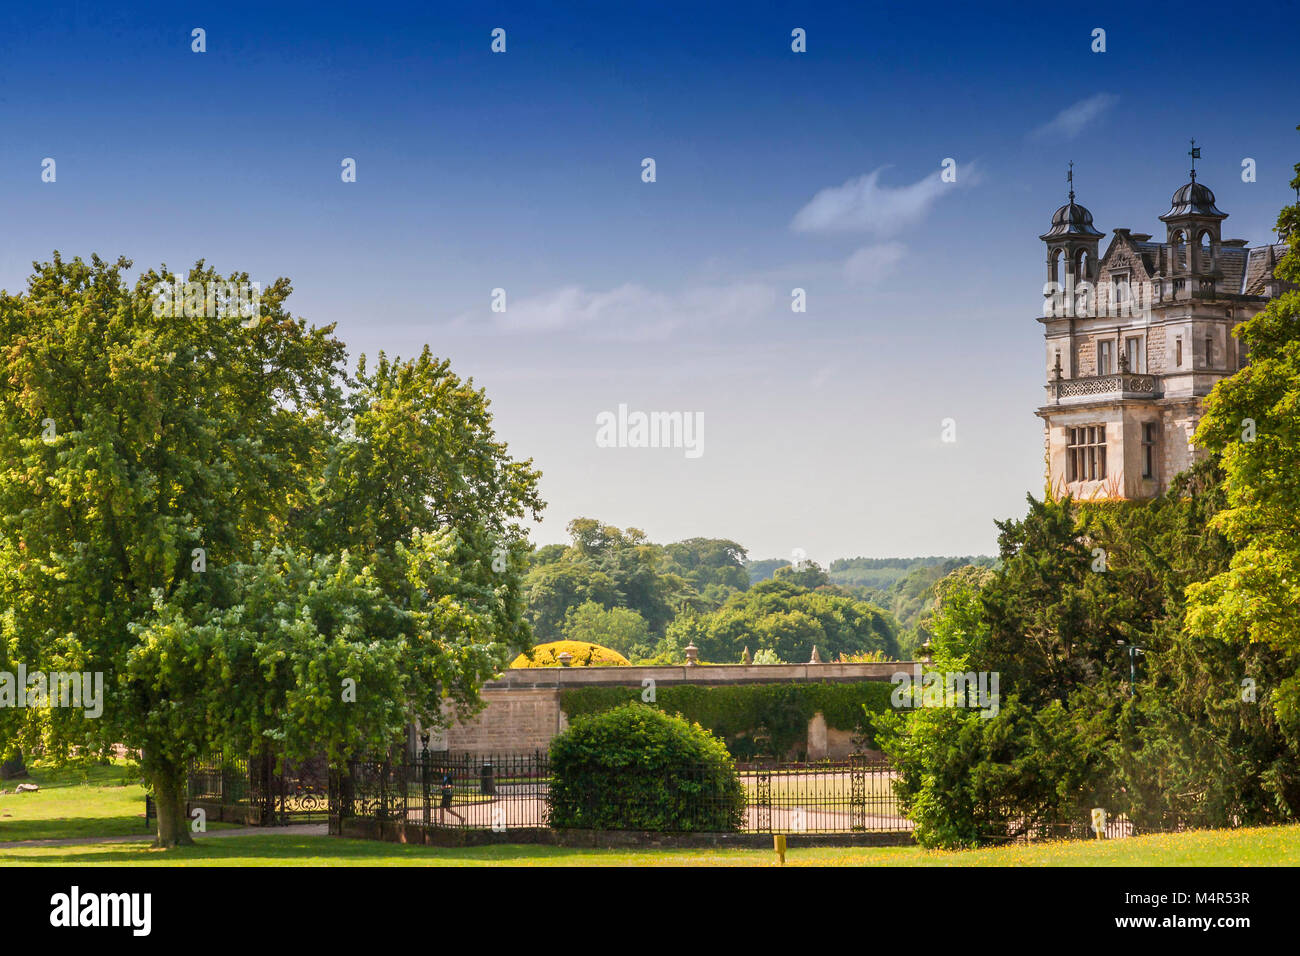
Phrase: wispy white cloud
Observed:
(823, 376)
(1070, 122)
(870, 264)
(629, 311)
(862, 204)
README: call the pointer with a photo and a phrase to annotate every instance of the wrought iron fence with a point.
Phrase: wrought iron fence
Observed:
(503, 792)
(220, 780)
(1117, 827)
(855, 795)
(514, 791)
(471, 791)
(286, 791)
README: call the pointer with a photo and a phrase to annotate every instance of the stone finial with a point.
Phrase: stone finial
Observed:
(816, 658)
(747, 658)
(565, 658)
(692, 655)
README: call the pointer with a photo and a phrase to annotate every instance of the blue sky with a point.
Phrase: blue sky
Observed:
(775, 170)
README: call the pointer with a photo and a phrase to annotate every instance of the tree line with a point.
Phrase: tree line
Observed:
(648, 601)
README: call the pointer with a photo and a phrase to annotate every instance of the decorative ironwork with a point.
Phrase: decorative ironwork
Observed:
(426, 782)
(763, 801)
(285, 791)
(857, 793)
(299, 789)
(377, 790)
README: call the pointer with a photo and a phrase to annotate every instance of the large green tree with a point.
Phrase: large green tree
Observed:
(618, 628)
(788, 619)
(621, 568)
(1253, 420)
(255, 551)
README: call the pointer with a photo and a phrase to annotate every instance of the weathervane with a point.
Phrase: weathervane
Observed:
(1069, 177)
(1195, 153)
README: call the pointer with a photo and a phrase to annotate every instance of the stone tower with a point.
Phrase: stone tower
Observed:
(1137, 338)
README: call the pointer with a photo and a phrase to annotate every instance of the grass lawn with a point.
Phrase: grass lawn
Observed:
(80, 800)
(1264, 846)
(74, 801)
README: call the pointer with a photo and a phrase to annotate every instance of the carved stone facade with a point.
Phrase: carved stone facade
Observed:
(1137, 337)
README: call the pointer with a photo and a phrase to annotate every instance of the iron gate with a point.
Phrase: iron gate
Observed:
(285, 791)
(292, 791)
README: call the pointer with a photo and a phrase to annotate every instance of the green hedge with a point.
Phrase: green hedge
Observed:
(735, 712)
(637, 768)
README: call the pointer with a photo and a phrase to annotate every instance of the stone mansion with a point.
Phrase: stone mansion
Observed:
(1137, 337)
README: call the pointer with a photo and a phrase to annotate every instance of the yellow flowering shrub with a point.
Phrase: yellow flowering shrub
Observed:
(584, 655)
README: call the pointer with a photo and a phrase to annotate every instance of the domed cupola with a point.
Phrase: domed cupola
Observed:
(1072, 240)
(1194, 228)
(1071, 220)
(1194, 199)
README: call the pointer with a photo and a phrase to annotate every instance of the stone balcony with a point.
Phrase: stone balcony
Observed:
(1089, 388)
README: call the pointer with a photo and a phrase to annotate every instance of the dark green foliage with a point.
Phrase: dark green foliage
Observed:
(709, 564)
(967, 780)
(736, 713)
(637, 768)
(1181, 746)
(881, 573)
(764, 569)
(553, 589)
(1051, 618)
(783, 617)
(697, 590)
(808, 575)
(546, 554)
(905, 587)
(620, 568)
(1196, 746)
(1252, 420)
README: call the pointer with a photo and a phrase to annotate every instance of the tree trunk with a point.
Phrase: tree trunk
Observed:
(169, 799)
(10, 769)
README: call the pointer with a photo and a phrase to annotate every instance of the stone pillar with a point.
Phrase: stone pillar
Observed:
(817, 738)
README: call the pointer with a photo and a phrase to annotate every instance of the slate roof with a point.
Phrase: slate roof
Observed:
(1232, 263)
(1259, 267)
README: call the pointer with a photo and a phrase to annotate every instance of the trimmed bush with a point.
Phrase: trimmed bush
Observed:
(637, 768)
(735, 712)
(584, 655)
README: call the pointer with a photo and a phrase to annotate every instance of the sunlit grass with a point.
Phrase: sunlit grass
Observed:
(83, 799)
(1264, 846)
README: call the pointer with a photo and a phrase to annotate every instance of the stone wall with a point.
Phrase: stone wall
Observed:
(523, 706)
(516, 720)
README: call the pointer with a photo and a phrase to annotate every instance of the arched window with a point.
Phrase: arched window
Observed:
(1178, 251)
(1082, 265)
(1204, 251)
